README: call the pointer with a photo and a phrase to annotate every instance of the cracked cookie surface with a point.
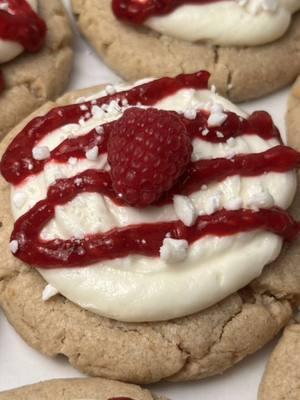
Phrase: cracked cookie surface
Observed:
(238, 73)
(32, 79)
(281, 380)
(71, 389)
(190, 348)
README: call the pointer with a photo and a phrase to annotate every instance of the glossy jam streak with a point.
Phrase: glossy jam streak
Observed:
(137, 11)
(144, 239)
(21, 24)
(17, 162)
(15, 171)
(203, 172)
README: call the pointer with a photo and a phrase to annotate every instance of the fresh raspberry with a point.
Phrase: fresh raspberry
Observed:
(148, 150)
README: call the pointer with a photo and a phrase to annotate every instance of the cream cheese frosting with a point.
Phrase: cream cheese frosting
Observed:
(9, 49)
(228, 23)
(184, 279)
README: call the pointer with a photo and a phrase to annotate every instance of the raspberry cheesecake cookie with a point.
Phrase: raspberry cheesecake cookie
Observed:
(281, 378)
(79, 389)
(35, 56)
(249, 46)
(140, 219)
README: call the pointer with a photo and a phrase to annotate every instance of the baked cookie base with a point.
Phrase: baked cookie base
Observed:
(282, 375)
(190, 348)
(239, 73)
(32, 79)
(84, 389)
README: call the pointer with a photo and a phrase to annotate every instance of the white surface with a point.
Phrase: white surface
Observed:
(20, 365)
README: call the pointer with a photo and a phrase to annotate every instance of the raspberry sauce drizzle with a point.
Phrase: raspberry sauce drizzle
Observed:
(21, 24)
(143, 239)
(121, 242)
(16, 171)
(137, 12)
(146, 239)
(147, 94)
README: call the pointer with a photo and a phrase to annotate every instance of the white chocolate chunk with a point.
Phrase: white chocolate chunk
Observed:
(173, 250)
(185, 210)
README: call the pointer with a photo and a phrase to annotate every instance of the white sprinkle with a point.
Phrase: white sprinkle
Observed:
(41, 153)
(49, 292)
(204, 187)
(14, 246)
(219, 134)
(72, 160)
(190, 114)
(233, 204)
(205, 132)
(217, 108)
(19, 199)
(216, 119)
(124, 102)
(97, 112)
(185, 210)
(92, 154)
(110, 89)
(99, 130)
(83, 107)
(173, 250)
(78, 181)
(88, 115)
(81, 121)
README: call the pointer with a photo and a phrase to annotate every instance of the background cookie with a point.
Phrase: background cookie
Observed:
(239, 73)
(293, 115)
(31, 79)
(72, 389)
(188, 348)
(282, 375)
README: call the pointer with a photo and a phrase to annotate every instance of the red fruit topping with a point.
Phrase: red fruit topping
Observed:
(148, 150)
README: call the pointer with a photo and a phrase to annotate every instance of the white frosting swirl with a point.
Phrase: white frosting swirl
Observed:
(139, 288)
(228, 23)
(10, 49)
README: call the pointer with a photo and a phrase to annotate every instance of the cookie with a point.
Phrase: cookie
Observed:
(187, 348)
(293, 114)
(281, 377)
(239, 73)
(71, 389)
(32, 79)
